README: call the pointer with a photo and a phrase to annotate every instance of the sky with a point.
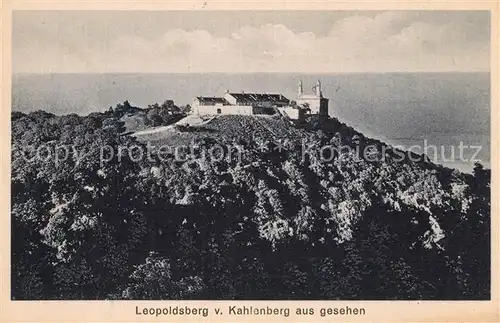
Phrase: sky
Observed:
(250, 41)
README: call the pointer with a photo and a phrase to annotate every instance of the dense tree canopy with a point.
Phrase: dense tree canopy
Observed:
(272, 226)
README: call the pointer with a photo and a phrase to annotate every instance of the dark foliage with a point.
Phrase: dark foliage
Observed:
(274, 227)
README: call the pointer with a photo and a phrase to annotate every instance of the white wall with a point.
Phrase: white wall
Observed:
(224, 109)
(316, 105)
(292, 113)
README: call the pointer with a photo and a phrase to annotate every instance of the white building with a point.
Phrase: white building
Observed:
(239, 103)
(262, 103)
(315, 101)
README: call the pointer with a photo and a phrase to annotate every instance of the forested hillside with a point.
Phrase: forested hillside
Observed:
(268, 225)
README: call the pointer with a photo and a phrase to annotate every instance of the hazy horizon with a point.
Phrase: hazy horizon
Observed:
(288, 89)
(399, 108)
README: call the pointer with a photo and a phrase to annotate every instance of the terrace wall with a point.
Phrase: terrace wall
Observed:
(223, 109)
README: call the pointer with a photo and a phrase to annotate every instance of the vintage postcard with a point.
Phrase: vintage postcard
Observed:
(279, 162)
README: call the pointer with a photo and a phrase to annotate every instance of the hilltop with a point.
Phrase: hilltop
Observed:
(274, 223)
(194, 127)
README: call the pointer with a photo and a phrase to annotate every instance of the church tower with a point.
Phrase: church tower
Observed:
(300, 90)
(315, 102)
(319, 94)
